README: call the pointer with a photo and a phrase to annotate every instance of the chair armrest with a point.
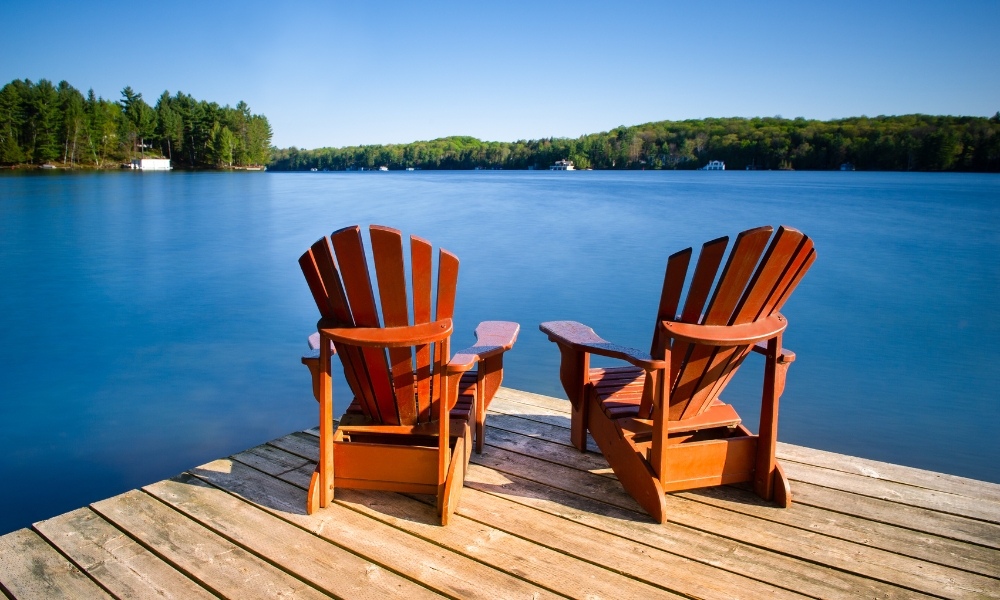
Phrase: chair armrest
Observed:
(583, 339)
(726, 335)
(313, 353)
(387, 337)
(786, 356)
(492, 338)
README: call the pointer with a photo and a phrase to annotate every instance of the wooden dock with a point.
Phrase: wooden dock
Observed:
(537, 519)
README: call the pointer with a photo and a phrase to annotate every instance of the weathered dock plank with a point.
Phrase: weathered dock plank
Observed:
(448, 572)
(869, 562)
(214, 562)
(521, 437)
(941, 482)
(31, 568)
(110, 557)
(538, 519)
(322, 564)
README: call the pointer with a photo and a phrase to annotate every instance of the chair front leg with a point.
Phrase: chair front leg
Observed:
(326, 430)
(488, 378)
(574, 373)
(450, 386)
(480, 407)
(767, 437)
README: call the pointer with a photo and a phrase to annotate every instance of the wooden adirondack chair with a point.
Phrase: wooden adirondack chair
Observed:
(660, 422)
(408, 427)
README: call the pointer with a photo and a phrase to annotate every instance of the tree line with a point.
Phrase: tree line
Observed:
(893, 143)
(43, 123)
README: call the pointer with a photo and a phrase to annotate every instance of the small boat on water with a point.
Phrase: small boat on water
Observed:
(48, 166)
(383, 168)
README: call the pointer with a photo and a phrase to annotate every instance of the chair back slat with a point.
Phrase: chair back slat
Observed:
(334, 287)
(447, 285)
(324, 281)
(421, 258)
(762, 286)
(350, 251)
(394, 386)
(354, 367)
(750, 287)
(799, 273)
(387, 251)
(307, 262)
(782, 251)
(693, 360)
(782, 262)
(445, 309)
(743, 258)
(702, 369)
(709, 260)
(705, 270)
(670, 296)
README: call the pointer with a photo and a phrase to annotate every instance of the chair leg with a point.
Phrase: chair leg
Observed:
(480, 435)
(634, 472)
(326, 426)
(782, 488)
(452, 490)
(480, 417)
(767, 439)
(578, 423)
(312, 500)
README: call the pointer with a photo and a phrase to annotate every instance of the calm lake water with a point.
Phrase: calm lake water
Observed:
(152, 322)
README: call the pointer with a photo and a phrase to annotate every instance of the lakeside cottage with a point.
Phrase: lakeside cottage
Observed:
(563, 165)
(715, 165)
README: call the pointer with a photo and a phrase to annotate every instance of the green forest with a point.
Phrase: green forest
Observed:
(896, 143)
(42, 123)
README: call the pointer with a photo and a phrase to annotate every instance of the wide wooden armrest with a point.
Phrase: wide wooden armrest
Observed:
(786, 356)
(583, 339)
(492, 338)
(313, 353)
(387, 337)
(726, 335)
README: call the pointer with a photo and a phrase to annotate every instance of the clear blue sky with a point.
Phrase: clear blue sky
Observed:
(332, 74)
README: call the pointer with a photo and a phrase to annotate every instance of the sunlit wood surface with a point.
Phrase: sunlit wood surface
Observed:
(537, 519)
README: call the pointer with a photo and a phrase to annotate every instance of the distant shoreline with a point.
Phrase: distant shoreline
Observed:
(884, 143)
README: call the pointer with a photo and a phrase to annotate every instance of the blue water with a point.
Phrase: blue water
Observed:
(153, 322)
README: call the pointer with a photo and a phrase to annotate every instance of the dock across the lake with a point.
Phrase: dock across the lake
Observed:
(537, 519)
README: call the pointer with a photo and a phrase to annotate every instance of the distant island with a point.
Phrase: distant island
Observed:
(57, 126)
(895, 143)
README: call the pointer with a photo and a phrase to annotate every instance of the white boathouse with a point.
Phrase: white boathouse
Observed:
(715, 165)
(563, 165)
(151, 164)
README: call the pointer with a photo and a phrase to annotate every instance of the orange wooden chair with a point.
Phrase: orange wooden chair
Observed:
(408, 427)
(660, 422)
